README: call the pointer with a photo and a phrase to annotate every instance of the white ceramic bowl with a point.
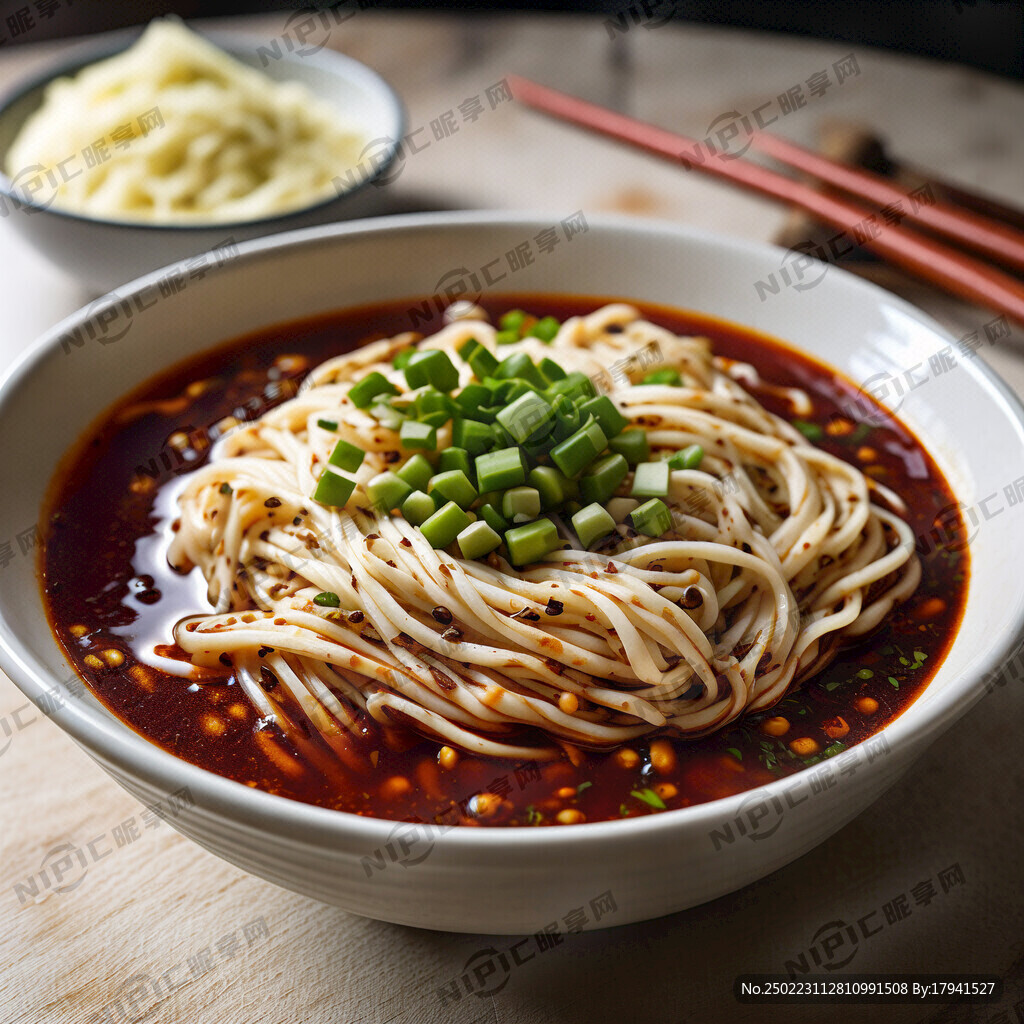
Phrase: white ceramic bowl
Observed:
(104, 253)
(510, 880)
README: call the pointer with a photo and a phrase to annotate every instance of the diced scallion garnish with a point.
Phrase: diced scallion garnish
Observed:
(669, 376)
(327, 599)
(372, 385)
(387, 491)
(532, 541)
(532, 445)
(650, 480)
(478, 539)
(347, 456)
(497, 471)
(333, 489)
(418, 435)
(327, 424)
(575, 453)
(432, 367)
(633, 445)
(592, 523)
(652, 518)
(689, 458)
(602, 478)
(545, 329)
(454, 486)
(418, 507)
(417, 472)
(521, 504)
(445, 525)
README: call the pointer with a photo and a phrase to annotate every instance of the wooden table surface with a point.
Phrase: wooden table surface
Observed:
(154, 928)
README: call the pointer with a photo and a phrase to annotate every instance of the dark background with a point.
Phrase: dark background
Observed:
(987, 34)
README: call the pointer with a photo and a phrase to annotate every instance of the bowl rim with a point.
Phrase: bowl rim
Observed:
(117, 745)
(93, 50)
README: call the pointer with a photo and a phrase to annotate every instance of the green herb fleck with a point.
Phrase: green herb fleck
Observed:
(327, 599)
(225, 488)
(582, 786)
(810, 430)
(895, 682)
(649, 797)
(736, 752)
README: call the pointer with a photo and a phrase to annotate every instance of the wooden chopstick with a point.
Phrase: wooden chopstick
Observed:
(958, 273)
(972, 230)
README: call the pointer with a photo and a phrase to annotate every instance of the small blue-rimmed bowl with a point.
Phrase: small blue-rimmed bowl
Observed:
(103, 253)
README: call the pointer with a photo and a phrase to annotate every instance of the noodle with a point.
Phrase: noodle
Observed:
(777, 553)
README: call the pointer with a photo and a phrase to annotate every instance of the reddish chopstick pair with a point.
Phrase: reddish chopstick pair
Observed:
(963, 275)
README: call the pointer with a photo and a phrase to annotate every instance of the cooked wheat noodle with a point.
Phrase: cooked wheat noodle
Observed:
(786, 546)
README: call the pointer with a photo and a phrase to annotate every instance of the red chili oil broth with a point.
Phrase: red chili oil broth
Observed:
(96, 575)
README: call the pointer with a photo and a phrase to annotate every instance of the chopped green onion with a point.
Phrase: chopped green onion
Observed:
(497, 471)
(418, 435)
(602, 478)
(387, 416)
(519, 366)
(574, 385)
(551, 485)
(372, 385)
(455, 458)
(455, 486)
(650, 480)
(508, 337)
(567, 418)
(532, 541)
(416, 472)
(670, 376)
(467, 348)
(528, 418)
(602, 408)
(573, 454)
(347, 456)
(493, 518)
(327, 599)
(545, 329)
(387, 491)
(431, 367)
(619, 508)
(689, 458)
(483, 363)
(327, 424)
(475, 438)
(513, 320)
(401, 361)
(418, 507)
(632, 444)
(652, 518)
(478, 539)
(472, 396)
(520, 504)
(649, 797)
(811, 431)
(445, 525)
(225, 488)
(333, 489)
(592, 523)
(551, 370)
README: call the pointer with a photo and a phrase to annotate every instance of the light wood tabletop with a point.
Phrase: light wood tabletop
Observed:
(149, 926)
